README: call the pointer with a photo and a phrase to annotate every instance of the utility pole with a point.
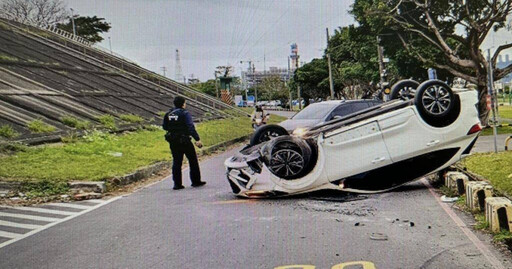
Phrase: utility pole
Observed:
(178, 73)
(298, 85)
(490, 92)
(288, 80)
(254, 83)
(216, 84)
(382, 68)
(163, 68)
(331, 83)
(73, 22)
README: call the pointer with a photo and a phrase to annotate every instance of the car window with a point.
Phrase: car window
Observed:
(348, 108)
(315, 111)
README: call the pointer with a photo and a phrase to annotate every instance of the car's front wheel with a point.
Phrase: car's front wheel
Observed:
(436, 103)
(288, 157)
(267, 132)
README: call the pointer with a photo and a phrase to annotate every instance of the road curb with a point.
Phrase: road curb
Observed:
(141, 173)
(147, 171)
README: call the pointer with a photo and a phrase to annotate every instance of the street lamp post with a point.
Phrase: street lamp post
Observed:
(73, 22)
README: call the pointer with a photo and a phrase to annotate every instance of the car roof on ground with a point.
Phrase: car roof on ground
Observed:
(343, 101)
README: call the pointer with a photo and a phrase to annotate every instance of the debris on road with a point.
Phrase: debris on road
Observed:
(87, 196)
(449, 199)
(378, 236)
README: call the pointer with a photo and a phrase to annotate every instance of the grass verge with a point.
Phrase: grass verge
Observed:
(8, 132)
(38, 126)
(96, 155)
(495, 167)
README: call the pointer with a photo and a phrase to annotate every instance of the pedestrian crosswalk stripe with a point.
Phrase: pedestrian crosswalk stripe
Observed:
(41, 210)
(19, 225)
(9, 235)
(70, 205)
(24, 216)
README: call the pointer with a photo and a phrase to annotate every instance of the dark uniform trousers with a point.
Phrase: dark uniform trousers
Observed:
(179, 147)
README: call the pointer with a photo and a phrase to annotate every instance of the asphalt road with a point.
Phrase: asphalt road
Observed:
(208, 227)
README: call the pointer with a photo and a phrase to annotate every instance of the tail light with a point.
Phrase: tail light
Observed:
(475, 129)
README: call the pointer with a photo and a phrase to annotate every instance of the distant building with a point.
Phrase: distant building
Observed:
(503, 62)
(252, 78)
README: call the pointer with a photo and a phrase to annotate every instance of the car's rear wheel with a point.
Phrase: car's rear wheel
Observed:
(436, 103)
(404, 89)
(288, 157)
(266, 133)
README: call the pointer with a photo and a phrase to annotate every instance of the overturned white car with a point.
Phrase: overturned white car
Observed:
(372, 150)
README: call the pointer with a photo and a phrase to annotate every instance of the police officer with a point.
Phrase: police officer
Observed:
(179, 126)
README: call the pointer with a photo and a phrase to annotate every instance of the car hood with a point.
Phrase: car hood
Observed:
(292, 124)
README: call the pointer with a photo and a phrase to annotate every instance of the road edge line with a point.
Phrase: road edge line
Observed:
(469, 234)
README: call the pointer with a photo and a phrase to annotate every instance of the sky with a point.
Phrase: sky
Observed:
(211, 33)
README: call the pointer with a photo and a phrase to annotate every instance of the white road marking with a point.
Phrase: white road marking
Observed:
(97, 201)
(41, 210)
(20, 225)
(469, 234)
(70, 205)
(87, 209)
(9, 235)
(31, 217)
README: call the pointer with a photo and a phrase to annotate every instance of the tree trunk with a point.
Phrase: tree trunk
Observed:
(483, 112)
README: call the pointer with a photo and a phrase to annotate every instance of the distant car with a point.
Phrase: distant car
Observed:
(373, 150)
(312, 115)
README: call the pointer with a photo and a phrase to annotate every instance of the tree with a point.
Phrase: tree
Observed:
(273, 88)
(313, 79)
(445, 34)
(207, 87)
(34, 11)
(89, 28)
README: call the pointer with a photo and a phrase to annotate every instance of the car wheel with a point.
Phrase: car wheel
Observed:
(404, 89)
(288, 157)
(436, 103)
(267, 132)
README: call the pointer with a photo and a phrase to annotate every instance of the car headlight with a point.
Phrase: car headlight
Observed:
(299, 131)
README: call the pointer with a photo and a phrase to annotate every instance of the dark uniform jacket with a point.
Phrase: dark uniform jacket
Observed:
(178, 123)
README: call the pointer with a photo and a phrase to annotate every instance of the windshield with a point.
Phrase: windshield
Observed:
(315, 111)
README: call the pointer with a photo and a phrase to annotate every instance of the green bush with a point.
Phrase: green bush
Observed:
(38, 126)
(161, 113)
(75, 123)
(108, 121)
(131, 118)
(8, 132)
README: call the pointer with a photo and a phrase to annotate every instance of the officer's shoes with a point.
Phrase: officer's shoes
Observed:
(178, 187)
(199, 184)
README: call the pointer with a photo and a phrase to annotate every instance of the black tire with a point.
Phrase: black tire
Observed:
(288, 157)
(436, 103)
(404, 89)
(267, 132)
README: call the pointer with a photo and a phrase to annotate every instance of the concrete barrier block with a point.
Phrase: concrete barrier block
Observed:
(476, 193)
(498, 213)
(456, 181)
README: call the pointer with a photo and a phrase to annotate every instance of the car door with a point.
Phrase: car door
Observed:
(406, 136)
(353, 150)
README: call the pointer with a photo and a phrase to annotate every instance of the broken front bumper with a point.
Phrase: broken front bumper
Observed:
(243, 170)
